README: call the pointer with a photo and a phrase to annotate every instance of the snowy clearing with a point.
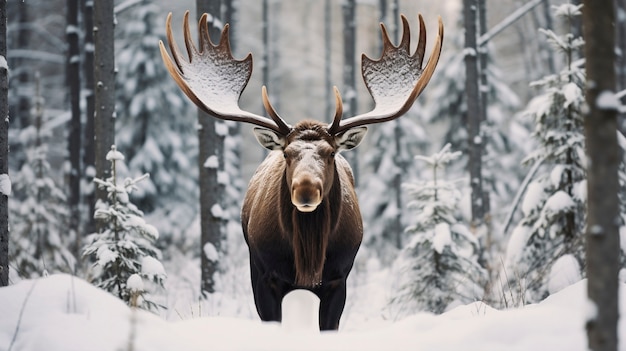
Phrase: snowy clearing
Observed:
(62, 312)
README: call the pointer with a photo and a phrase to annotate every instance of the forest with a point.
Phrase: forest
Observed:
(503, 184)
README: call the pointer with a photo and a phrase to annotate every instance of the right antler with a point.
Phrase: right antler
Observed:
(395, 80)
(213, 79)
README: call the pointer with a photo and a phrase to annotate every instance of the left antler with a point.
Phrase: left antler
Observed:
(213, 79)
(394, 81)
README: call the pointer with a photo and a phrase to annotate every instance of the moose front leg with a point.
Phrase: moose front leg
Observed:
(332, 301)
(268, 292)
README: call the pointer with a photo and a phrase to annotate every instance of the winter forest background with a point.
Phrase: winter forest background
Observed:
(425, 248)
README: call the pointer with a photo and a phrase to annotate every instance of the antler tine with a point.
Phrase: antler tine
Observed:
(396, 79)
(338, 111)
(284, 127)
(211, 78)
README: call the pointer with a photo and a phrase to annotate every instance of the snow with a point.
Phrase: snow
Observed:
(607, 100)
(3, 63)
(211, 252)
(114, 155)
(135, 283)
(5, 184)
(217, 211)
(564, 272)
(533, 197)
(151, 266)
(559, 202)
(212, 162)
(61, 312)
(442, 237)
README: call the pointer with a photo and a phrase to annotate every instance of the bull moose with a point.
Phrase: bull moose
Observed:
(300, 216)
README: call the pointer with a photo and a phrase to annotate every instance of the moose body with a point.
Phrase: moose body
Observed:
(294, 248)
(300, 215)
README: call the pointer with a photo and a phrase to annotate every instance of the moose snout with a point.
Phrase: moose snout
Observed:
(306, 194)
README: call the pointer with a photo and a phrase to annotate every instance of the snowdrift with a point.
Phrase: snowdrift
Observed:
(62, 312)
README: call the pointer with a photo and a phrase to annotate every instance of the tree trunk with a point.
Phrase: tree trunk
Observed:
(4, 148)
(89, 152)
(74, 137)
(104, 77)
(328, 64)
(349, 72)
(21, 114)
(602, 233)
(211, 144)
(475, 143)
(620, 26)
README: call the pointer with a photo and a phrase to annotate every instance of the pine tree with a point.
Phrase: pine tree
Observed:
(379, 203)
(125, 246)
(39, 214)
(155, 126)
(554, 204)
(440, 265)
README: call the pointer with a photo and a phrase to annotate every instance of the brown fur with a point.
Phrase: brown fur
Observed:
(309, 234)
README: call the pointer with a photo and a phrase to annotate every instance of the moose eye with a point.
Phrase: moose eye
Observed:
(332, 154)
(285, 155)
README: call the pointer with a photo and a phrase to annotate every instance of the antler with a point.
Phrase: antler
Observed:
(213, 79)
(394, 81)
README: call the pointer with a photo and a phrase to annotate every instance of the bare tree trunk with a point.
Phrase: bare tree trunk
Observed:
(349, 71)
(104, 76)
(620, 26)
(328, 86)
(4, 148)
(22, 111)
(475, 143)
(602, 233)
(211, 145)
(89, 151)
(74, 137)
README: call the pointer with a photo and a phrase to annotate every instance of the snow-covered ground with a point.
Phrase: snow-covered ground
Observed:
(65, 313)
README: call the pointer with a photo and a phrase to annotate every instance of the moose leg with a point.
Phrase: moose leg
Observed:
(332, 300)
(268, 294)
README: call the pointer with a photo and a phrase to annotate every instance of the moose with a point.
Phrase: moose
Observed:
(300, 215)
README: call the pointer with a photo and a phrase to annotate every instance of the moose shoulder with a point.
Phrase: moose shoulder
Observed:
(300, 215)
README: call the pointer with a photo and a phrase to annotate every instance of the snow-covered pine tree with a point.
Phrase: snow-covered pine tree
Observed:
(503, 137)
(378, 198)
(125, 247)
(155, 124)
(439, 267)
(39, 215)
(554, 204)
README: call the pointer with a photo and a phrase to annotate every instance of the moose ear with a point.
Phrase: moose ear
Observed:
(351, 138)
(269, 139)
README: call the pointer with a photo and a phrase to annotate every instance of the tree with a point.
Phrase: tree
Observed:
(155, 128)
(554, 204)
(124, 247)
(104, 78)
(74, 135)
(4, 150)
(88, 139)
(348, 9)
(39, 211)
(211, 133)
(382, 205)
(474, 114)
(440, 264)
(602, 232)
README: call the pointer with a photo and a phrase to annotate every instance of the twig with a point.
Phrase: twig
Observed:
(520, 192)
(19, 319)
